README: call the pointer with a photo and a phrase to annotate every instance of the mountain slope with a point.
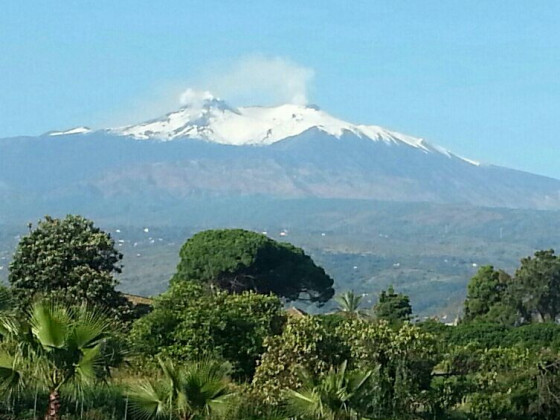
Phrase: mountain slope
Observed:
(375, 207)
(210, 149)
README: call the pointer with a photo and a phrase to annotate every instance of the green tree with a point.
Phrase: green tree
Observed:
(70, 260)
(488, 297)
(306, 343)
(53, 347)
(537, 286)
(238, 260)
(393, 307)
(333, 396)
(188, 323)
(401, 360)
(193, 392)
(498, 383)
(499, 377)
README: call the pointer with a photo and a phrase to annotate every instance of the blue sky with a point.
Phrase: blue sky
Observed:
(479, 78)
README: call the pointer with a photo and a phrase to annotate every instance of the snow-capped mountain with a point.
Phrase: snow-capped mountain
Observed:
(211, 149)
(215, 121)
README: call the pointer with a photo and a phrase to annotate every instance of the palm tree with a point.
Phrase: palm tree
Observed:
(333, 397)
(199, 389)
(349, 304)
(52, 346)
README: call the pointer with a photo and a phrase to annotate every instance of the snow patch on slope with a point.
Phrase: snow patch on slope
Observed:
(76, 130)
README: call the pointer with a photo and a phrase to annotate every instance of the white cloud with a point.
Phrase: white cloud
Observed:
(195, 97)
(250, 80)
(260, 80)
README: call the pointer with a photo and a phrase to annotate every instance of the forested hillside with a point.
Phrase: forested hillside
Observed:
(218, 342)
(427, 250)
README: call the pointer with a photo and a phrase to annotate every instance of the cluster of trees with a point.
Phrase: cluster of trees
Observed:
(219, 343)
(532, 294)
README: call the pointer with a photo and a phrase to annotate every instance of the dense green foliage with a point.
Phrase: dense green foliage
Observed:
(536, 289)
(501, 382)
(532, 294)
(220, 352)
(399, 360)
(488, 335)
(393, 307)
(487, 297)
(68, 259)
(238, 260)
(402, 360)
(306, 343)
(187, 323)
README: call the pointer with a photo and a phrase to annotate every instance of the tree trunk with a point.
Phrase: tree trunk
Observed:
(53, 409)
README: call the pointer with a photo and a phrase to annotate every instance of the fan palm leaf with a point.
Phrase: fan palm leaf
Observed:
(330, 397)
(53, 347)
(150, 399)
(349, 303)
(11, 375)
(199, 389)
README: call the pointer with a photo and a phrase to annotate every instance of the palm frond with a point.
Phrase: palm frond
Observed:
(9, 325)
(305, 404)
(330, 396)
(11, 377)
(205, 387)
(89, 327)
(49, 324)
(199, 388)
(219, 397)
(172, 374)
(150, 400)
(357, 380)
(87, 367)
(349, 303)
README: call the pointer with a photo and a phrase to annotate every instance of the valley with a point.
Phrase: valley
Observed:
(428, 251)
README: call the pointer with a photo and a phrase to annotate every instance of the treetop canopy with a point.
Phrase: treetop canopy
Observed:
(237, 260)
